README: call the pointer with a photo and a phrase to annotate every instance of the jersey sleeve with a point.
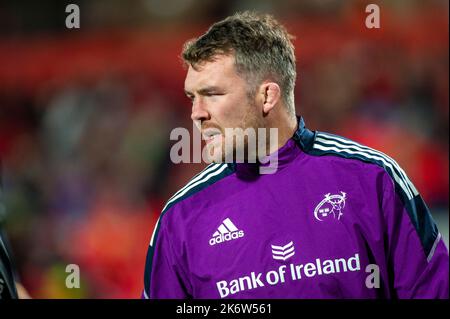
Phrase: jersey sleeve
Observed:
(165, 277)
(417, 256)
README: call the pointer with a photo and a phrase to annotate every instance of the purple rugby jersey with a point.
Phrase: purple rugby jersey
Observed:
(333, 215)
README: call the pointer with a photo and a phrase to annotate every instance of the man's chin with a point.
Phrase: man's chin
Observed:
(213, 155)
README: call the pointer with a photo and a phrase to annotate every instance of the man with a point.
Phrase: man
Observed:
(7, 284)
(336, 219)
(10, 286)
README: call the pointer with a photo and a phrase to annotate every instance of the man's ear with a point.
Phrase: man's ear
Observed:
(272, 94)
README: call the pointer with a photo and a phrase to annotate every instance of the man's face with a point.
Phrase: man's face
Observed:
(219, 101)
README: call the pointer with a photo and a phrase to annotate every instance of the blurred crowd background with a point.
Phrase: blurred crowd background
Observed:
(85, 117)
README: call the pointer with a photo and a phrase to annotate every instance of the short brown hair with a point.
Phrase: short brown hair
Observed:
(261, 45)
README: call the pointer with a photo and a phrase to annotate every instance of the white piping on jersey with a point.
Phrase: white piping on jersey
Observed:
(4, 248)
(346, 148)
(375, 152)
(433, 248)
(186, 189)
(209, 168)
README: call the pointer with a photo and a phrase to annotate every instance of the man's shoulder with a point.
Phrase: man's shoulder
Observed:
(349, 153)
(331, 147)
(210, 175)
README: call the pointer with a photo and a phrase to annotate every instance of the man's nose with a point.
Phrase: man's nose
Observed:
(199, 111)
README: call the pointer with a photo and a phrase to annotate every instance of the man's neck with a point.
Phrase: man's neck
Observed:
(286, 127)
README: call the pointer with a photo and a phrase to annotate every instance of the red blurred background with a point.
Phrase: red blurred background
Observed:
(85, 117)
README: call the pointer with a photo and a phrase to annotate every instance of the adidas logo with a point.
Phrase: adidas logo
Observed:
(283, 252)
(227, 231)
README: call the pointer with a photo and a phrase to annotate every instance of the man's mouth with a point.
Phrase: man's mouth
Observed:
(209, 135)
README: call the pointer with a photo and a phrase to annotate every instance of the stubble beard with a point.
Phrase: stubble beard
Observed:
(250, 120)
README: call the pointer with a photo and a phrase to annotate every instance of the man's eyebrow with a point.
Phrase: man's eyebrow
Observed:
(208, 89)
(205, 90)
